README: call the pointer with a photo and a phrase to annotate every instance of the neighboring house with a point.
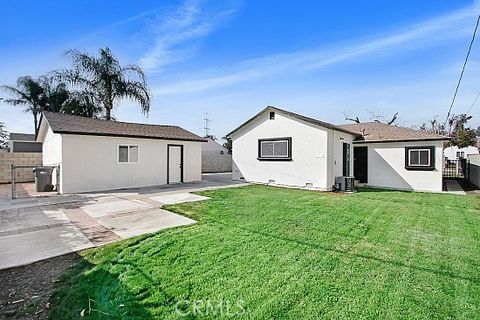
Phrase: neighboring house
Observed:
(455, 153)
(284, 148)
(215, 157)
(24, 142)
(97, 155)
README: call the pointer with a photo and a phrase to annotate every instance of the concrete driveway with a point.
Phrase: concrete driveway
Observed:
(39, 228)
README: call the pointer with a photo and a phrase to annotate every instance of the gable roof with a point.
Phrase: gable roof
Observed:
(296, 116)
(69, 124)
(382, 132)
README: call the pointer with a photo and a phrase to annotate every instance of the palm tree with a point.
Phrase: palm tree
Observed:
(3, 136)
(55, 92)
(60, 99)
(81, 104)
(107, 80)
(29, 93)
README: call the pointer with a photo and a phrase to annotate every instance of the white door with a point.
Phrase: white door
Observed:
(174, 164)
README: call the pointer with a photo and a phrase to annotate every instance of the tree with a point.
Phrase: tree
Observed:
(28, 93)
(464, 138)
(227, 144)
(3, 136)
(434, 126)
(456, 129)
(461, 135)
(60, 99)
(82, 104)
(106, 80)
(375, 116)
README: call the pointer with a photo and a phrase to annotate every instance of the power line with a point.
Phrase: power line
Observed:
(463, 70)
(473, 103)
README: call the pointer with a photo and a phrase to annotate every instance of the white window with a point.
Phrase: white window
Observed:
(419, 157)
(461, 154)
(127, 154)
(275, 148)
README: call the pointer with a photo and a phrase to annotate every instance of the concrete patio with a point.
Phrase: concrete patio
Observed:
(37, 228)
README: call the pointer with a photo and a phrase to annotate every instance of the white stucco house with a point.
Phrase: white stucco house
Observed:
(455, 153)
(284, 148)
(96, 155)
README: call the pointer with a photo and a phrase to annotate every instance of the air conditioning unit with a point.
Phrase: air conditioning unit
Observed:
(346, 184)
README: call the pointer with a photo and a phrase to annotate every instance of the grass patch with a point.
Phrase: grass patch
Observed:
(262, 252)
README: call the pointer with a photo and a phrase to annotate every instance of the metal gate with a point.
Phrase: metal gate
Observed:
(456, 169)
(24, 174)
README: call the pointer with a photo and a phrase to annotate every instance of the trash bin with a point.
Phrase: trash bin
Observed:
(43, 179)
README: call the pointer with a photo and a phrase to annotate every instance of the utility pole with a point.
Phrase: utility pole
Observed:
(206, 127)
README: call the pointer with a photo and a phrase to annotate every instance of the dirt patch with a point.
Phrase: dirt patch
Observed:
(25, 291)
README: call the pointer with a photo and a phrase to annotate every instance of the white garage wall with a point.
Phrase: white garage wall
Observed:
(90, 163)
(386, 167)
(52, 149)
(311, 160)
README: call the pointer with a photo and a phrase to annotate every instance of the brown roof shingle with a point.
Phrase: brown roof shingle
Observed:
(64, 123)
(382, 132)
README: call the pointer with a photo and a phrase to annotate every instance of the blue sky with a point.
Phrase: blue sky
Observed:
(325, 59)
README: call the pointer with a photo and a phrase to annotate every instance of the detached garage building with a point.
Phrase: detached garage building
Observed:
(96, 155)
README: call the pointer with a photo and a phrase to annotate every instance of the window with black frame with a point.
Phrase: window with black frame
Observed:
(420, 158)
(275, 149)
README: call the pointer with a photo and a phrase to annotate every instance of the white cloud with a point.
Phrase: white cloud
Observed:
(427, 33)
(174, 32)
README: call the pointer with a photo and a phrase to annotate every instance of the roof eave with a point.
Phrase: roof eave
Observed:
(128, 136)
(401, 140)
(290, 114)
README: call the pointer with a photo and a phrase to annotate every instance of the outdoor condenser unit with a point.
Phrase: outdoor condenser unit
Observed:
(345, 183)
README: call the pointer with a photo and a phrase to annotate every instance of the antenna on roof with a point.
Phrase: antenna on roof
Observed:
(206, 127)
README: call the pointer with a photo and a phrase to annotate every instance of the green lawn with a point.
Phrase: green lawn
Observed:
(270, 253)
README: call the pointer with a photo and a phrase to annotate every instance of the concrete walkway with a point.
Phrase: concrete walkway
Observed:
(454, 187)
(38, 228)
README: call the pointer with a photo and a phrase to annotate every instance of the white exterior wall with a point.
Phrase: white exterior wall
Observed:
(474, 168)
(386, 167)
(52, 146)
(89, 163)
(313, 159)
(337, 138)
(451, 152)
(52, 150)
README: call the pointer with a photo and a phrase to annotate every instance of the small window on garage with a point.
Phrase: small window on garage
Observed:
(272, 115)
(127, 154)
(275, 149)
(420, 158)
